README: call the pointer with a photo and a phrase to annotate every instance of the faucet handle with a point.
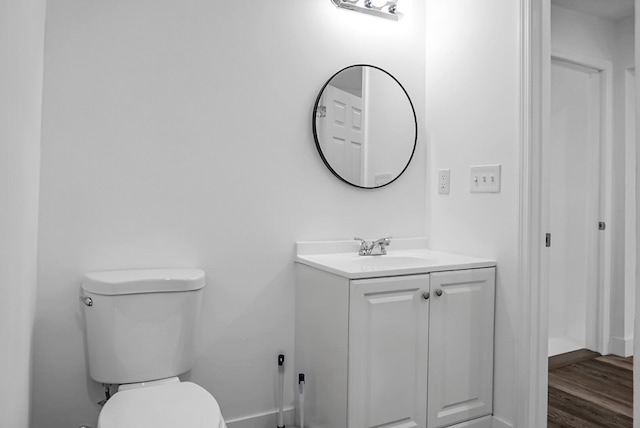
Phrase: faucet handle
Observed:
(384, 241)
(365, 247)
(364, 244)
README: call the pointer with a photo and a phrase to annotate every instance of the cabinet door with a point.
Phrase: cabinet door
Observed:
(388, 338)
(461, 346)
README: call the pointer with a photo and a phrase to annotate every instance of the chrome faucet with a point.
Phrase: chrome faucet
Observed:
(369, 248)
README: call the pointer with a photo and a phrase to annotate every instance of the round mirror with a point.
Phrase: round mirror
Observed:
(365, 126)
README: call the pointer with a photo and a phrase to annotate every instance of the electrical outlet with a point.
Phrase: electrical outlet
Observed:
(444, 181)
(485, 179)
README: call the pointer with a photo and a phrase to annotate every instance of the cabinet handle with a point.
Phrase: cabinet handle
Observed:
(438, 292)
(425, 295)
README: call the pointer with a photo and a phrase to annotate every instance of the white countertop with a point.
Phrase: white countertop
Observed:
(408, 256)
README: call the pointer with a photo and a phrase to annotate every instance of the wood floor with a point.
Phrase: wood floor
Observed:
(590, 391)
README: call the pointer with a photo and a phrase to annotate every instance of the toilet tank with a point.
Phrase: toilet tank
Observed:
(141, 324)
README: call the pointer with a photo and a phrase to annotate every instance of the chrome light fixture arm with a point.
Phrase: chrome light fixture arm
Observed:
(389, 9)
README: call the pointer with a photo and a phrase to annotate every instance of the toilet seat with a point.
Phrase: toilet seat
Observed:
(171, 404)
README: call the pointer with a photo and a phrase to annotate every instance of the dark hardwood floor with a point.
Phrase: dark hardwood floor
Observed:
(587, 390)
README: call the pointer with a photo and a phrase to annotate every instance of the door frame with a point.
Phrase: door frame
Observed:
(364, 167)
(631, 170)
(531, 347)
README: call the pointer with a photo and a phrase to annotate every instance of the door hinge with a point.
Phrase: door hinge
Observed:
(547, 240)
(602, 225)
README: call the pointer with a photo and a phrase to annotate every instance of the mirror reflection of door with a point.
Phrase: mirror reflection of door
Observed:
(343, 137)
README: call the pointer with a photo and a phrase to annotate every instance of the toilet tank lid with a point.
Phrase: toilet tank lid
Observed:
(136, 281)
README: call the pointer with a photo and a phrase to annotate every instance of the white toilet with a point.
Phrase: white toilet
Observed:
(141, 336)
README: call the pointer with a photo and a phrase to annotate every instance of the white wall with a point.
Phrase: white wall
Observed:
(179, 134)
(578, 34)
(472, 119)
(21, 47)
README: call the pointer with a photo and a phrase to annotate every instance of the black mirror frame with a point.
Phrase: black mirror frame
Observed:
(315, 131)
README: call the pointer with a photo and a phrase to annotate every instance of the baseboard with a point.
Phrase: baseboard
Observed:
(270, 420)
(569, 358)
(263, 420)
(499, 423)
(621, 347)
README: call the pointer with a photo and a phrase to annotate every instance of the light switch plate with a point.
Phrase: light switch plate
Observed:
(485, 179)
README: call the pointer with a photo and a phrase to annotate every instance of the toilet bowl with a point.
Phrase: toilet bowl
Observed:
(167, 403)
(140, 327)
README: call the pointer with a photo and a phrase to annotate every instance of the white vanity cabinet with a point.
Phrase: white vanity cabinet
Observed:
(396, 351)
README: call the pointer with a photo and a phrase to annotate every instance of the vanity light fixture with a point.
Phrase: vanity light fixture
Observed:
(383, 8)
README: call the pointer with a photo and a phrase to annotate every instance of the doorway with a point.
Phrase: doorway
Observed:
(534, 291)
(584, 188)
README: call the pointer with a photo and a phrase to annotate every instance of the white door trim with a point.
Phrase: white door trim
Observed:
(625, 345)
(365, 179)
(531, 345)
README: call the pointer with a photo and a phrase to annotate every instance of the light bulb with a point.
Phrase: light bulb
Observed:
(376, 4)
